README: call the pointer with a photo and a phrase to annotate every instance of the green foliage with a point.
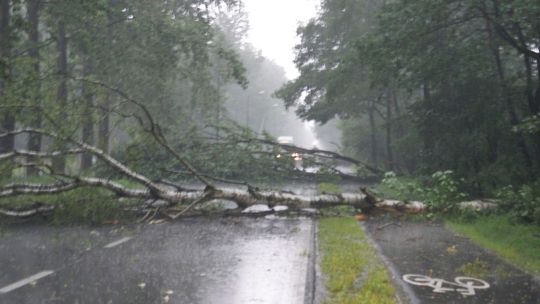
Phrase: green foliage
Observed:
(444, 192)
(332, 80)
(84, 206)
(521, 202)
(90, 207)
(346, 258)
(439, 193)
(424, 87)
(402, 188)
(529, 125)
(515, 242)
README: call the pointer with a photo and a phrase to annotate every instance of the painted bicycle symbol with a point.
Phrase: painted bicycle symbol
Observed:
(464, 285)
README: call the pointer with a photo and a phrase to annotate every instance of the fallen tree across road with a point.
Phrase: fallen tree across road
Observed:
(174, 195)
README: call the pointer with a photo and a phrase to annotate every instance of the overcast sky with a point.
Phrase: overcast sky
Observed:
(273, 26)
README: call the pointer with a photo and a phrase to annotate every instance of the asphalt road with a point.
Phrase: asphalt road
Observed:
(234, 260)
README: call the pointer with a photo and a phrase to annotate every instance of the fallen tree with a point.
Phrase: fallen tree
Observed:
(244, 196)
(176, 196)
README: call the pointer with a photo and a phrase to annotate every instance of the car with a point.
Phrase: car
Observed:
(297, 157)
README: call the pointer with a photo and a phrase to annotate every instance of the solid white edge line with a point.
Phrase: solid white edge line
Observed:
(26, 281)
(116, 243)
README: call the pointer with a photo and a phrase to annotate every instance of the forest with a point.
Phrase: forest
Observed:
(430, 86)
(444, 92)
(71, 62)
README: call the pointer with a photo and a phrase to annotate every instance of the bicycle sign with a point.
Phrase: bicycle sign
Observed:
(464, 285)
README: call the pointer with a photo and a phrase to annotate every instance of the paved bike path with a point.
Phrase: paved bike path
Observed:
(430, 264)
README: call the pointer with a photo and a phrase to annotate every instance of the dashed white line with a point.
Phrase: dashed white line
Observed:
(116, 243)
(26, 281)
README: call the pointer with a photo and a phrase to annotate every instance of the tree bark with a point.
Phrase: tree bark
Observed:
(105, 107)
(389, 149)
(373, 135)
(34, 140)
(510, 108)
(399, 130)
(104, 124)
(529, 90)
(8, 117)
(87, 118)
(59, 162)
(537, 97)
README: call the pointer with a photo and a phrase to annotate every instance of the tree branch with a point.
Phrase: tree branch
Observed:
(315, 152)
(115, 164)
(155, 129)
(35, 154)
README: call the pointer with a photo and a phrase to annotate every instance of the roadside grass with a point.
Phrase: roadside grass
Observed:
(82, 206)
(517, 243)
(352, 271)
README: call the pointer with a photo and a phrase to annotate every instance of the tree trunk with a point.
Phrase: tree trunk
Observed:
(537, 97)
(34, 140)
(105, 107)
(529, 90)
(399, 130)
(59, 162)
(87, 118)
(536, 102)
(104, 124)
(7, 124)
(373, 131)
(512, 114)
(389, 151)
(532, 100)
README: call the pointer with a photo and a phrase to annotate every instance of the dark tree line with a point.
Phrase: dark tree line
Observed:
(427, 85)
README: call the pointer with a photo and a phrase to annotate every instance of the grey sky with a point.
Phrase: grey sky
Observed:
(273, 26)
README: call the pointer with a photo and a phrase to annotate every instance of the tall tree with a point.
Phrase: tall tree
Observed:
(88, 105)
(34, 140)
(59, 162)
(8, 116)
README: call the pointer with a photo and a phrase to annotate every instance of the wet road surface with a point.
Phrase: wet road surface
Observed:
(232, 260)
(419, 253)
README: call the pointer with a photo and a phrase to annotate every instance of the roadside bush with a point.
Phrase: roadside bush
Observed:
(401, 187)
(521, 203)
(440, 192)
(443, 194)
(83, 206)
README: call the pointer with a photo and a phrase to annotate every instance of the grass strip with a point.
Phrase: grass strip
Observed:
(353, 273)
(517, 243)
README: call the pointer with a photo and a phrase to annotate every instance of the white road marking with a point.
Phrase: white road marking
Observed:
(466, 285)
(116, 243)
(26, 281)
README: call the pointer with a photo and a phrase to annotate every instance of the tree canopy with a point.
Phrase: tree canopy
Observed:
(428, 85)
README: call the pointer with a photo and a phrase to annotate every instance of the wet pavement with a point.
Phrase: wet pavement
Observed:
(195, 260)
(430, 264)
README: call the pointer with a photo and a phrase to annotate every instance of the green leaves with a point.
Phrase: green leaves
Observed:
(522, 202)
(441, 192)
(530, 125)
(333, 81)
